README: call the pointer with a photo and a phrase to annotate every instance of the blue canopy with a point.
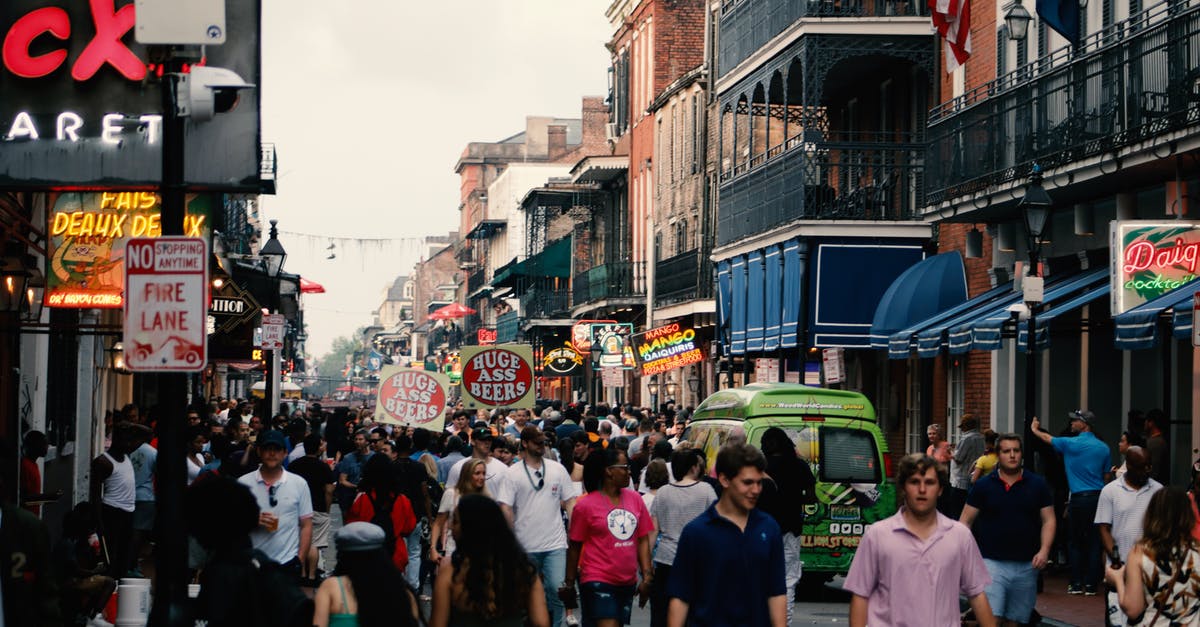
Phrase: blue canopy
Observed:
(1138, 327)
(900, 344)
(983, 333)
(926, 288)
(1046, 317)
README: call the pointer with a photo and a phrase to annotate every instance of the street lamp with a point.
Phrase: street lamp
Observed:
(273, 256)
(1035, 208)
(1017, 19)
(693, 381)
(672, 387)
(652, 387)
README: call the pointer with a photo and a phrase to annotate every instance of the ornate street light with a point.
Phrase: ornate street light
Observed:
(272, 253)
(653, 387)
(1017, 19)
(1035, 208)
(273, 256)
(693, 380)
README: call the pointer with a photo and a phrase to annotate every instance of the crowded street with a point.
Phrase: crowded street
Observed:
(557, 313)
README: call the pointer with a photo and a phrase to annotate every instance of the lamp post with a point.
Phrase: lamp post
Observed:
(652, 387)
(1035, 209)
(1016, 19)
(273, 256)
(693, 381)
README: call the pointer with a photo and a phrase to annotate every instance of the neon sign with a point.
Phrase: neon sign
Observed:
(666, 348)
(114, 127)
(1150, 259)
(105, 47)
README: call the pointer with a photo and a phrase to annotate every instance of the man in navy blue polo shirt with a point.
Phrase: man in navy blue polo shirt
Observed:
(1012, 512)
(728, 567)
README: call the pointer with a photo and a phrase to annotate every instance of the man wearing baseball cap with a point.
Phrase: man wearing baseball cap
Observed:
(1086, 459)
(284, 530)
(481, 448)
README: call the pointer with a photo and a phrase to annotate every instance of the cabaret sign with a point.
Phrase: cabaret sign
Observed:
(410, 397)
(497, 376)
(1150, 259)
(666, 348)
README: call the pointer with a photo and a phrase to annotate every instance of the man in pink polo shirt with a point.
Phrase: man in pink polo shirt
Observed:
(910, 568)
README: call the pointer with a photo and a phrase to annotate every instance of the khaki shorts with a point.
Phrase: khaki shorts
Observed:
(320, 529)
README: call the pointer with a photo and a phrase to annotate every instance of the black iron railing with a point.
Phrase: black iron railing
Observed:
(1132, 82)
(685, 276)
(620, 279)
(476, 280)
(545, 303)
(747, 25)
(822, 181)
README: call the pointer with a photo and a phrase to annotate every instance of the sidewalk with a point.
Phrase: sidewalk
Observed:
(1059, 608)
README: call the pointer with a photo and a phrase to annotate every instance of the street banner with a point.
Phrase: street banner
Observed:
(1150, 259)
(166, 280)
(497, 376)
(666, 348)
(411, 398)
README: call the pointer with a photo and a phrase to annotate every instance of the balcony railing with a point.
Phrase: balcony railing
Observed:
(543, 303)
(621, 279)
(747, 25)
(685, 276)
(1132, 82)
(476, 280)
(822, 180)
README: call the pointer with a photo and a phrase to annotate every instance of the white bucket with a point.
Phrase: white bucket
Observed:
(193, 590)
(133, 602)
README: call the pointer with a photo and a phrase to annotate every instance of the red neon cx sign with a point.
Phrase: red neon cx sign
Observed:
(105, 46)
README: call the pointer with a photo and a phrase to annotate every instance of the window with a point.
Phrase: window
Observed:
(912, 408)
(849, 456)
(956, 394)
(697, 129)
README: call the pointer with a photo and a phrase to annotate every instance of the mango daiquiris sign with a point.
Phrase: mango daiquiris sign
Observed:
(1149, 259)
(666, 348)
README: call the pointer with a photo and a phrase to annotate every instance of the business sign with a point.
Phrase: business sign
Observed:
(1150, 259)
(485, 336)
(231, 305)
(666, 348)
(166, 279)
(563, 361)
(88, 232)
(834, 360)
(497, 376)
(766, 370)
(612, 338)
(410, 397)
(82, 101)
(581, 334)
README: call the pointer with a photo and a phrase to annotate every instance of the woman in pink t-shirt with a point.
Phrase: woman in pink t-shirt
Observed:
(609, 543)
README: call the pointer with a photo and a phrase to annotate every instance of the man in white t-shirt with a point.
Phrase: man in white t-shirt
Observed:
(533, 494)
(284, 531)
(481, 448)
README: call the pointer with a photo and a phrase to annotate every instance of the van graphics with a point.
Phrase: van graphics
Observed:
(844, 512)
(815, 405)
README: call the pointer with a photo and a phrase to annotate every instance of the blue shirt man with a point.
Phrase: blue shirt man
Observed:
(1086, 459)
(729, 566)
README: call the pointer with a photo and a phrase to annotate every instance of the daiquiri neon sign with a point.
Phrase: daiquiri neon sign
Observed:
(666, 348)
(1151, 259)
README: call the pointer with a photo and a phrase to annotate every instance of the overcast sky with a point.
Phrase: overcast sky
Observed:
(370, 103)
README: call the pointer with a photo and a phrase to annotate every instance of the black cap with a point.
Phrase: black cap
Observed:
(481, 433)
(272, 438)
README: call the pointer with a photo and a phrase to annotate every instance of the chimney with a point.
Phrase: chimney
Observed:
(556, 141)
(595, 118)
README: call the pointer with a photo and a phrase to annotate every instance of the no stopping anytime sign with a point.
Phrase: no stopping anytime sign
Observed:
(166, 302)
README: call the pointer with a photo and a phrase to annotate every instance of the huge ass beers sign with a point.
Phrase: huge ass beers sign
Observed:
(497, 376)
(411, 397)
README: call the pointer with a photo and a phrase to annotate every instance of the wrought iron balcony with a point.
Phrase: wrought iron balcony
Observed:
(835, 180)
(747, 25)
(1132, 82)
(545, 303)
(508, 325)
(620, 279)
(476, 280)
(686, 276)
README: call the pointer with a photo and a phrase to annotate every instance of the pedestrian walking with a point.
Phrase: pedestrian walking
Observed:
(112, 492)
(534, 495)
(1085, 459)
(349, 472)
(675, 505)
(284, 532)
(29, 593)
(320, 480)
(787, 488)
(1012, 513)
(729, 563)
(963, 456)
(910, 568)
(453, 456)
(938, 448)
(1123, 503)
(1158, 452)
(489, 580)
(472, 480)
(990, 458)
(609, 542)
(481, 448)
(366, 589)
(1157, 586)
(381, 503)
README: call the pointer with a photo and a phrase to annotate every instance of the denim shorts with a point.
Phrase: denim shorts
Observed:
(1013, 591)
(603, 600)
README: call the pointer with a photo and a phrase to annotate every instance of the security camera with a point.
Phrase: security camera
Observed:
(1020, 311)
(207, 91)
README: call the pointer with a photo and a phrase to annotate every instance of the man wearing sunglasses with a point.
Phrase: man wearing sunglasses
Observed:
(284, 531)
(533, 494)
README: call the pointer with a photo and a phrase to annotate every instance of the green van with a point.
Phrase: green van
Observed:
(835, 432)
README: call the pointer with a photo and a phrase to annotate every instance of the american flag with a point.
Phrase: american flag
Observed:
(952, 20)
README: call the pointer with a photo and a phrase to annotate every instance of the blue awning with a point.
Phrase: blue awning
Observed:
(849, 278)
(724, 304)
(983, 333)
(932, 285)
(1138, 327)
(789, 323)
(1046, 317)
(737, 320)
(773, 309)
(754, 302)
(931, 330)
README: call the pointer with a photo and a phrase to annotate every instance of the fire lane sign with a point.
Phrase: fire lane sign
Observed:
(166, 304)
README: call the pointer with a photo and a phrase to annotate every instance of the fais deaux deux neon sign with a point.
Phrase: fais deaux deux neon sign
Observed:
(1150, 259)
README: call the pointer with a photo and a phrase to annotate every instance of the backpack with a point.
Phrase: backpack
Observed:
(281, 603)
(383, 518)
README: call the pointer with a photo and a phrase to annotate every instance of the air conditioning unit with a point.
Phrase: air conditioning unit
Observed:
(612, 131)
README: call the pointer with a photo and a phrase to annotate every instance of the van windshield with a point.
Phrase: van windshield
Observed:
(849, 456)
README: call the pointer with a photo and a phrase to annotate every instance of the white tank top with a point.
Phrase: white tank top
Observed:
(119, 486)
